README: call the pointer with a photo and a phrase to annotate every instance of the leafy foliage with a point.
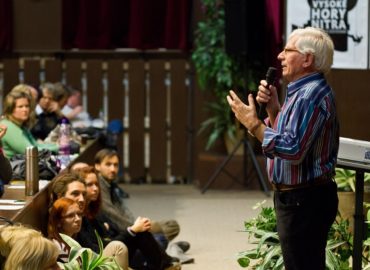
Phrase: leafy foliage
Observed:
(217, 71)
(345, 179)
(85, 259)
(267, 252)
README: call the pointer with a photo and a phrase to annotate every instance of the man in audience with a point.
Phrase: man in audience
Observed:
(107, 164)
(47, 111)
(74, 111)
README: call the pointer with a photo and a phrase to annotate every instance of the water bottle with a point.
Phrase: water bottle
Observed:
(64, 142)
(32, 170)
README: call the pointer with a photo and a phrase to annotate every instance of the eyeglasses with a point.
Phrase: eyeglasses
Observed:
(73, 215)
(286, 50)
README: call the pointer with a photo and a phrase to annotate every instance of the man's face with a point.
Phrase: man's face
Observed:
(108, 168)
(76, 191)
(294, 64)
(46, 99)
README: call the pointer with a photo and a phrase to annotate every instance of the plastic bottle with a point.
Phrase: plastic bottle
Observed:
(64, 142)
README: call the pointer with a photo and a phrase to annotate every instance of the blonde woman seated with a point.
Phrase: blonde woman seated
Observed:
(22, 248)
(65, 216)
(18, 116)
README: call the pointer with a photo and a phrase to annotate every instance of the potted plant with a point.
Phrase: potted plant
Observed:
(267, 253)
(345, 180)
(218, 72)
(85, 259)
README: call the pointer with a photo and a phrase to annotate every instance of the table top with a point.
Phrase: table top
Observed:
(353, 164)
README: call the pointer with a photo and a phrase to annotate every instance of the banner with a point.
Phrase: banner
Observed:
(346, 21)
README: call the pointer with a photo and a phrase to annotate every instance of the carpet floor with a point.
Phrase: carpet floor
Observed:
(212, 222)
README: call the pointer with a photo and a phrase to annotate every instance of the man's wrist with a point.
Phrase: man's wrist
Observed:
(255, 127)
(130, 231)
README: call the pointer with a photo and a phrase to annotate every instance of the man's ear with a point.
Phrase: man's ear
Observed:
(309, 60)
(97, 167)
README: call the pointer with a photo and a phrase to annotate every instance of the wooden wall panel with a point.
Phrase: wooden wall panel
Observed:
(179, 120)
(95, 93)
(158, 106)
(136, 75)
(116, 109)
(53, 70)
(37, 25)
(11, 74)
(115, 75)
(73, 73)
(32, 72)
(351, 88)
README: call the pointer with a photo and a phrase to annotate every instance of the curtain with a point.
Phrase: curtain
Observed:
(274, 26)
(140, 24)
(6, 25)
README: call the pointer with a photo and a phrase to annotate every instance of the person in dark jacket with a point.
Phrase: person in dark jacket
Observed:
(144, 251)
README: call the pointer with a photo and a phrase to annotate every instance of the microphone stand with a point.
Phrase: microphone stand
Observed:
(247, 149)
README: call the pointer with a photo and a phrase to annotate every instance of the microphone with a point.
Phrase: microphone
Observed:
(270, 78)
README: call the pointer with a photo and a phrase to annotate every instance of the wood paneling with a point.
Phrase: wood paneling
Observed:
(73, 72)
(95, 93)
(32, 72)
(158, 107)
(53, 70)
(136, 75)
(156, 93)
(11, 74)
(179, 117)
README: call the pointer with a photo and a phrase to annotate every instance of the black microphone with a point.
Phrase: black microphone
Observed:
(270, 79)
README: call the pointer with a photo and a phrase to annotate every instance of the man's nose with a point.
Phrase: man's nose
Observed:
(81, 198)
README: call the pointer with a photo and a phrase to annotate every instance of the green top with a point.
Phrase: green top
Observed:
(17, 139)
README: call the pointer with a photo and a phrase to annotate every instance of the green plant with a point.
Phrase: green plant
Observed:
(267, 253)
(85, 259)
(217, 71)
(345, 179)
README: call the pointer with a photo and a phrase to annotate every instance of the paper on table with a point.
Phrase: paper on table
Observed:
(10, 207)
(42, 184)
(16, 187)
(5, 201)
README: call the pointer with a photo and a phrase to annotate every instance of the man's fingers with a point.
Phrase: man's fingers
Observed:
(251, 101)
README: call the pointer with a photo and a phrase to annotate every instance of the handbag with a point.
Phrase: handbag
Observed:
(48, 167)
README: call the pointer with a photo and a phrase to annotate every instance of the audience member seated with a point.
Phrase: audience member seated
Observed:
(48, 112)
(22, 248)
(61, 94)
(144, 251)
(74, 111)
(71, 186)
(5, 168)
(18, 118)
(113, 206)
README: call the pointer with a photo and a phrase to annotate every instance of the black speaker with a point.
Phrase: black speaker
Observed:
(245, 28)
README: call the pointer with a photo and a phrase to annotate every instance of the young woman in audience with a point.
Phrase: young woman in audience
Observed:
(144, 251)
(22, 248)
(18, 116)
(65, 216)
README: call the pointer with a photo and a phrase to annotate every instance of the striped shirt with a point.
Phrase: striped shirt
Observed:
(303, 143)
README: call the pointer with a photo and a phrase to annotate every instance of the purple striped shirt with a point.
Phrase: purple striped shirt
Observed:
(303, 143)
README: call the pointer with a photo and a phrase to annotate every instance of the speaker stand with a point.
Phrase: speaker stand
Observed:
(247, 150)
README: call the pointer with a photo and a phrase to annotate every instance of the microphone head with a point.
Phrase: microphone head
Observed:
(271, 75)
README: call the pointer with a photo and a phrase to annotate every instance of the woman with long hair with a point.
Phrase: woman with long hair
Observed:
(144, 251)
(65, 216)
(18, 117)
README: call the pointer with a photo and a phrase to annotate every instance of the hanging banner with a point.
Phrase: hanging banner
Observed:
(346, 21)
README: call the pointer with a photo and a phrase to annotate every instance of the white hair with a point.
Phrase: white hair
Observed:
(311, 40)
